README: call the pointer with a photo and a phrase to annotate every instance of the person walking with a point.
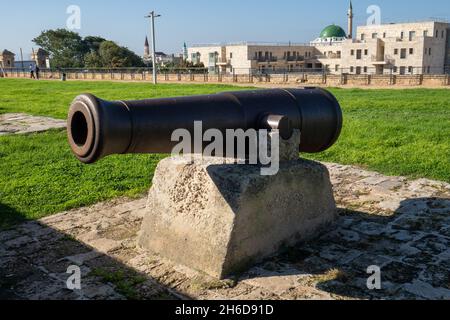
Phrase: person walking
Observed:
(37, 70)
(32, 72)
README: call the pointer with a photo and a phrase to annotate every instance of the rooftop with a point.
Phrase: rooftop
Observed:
(333, 31)
(250, 43)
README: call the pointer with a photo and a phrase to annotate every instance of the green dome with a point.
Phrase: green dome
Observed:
(333, 31)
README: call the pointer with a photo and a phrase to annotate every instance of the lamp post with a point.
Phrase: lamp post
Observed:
(152, 15)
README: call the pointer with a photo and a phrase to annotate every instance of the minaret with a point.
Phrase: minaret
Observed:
(146, 49)
(185, 52)
(350, 21)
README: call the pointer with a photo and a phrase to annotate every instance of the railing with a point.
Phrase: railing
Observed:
(266, 59)
(295, 58)
(146, 73)
(386, 58)
(329, 56)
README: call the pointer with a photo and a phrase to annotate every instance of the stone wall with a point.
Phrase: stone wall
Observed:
(275, 79)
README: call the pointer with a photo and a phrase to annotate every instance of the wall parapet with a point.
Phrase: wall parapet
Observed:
(428, 80)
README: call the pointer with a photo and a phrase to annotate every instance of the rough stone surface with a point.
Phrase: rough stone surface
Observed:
(17, 123)
(219, 218)
(400, 225)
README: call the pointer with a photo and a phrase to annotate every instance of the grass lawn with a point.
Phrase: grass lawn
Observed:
(396, 132)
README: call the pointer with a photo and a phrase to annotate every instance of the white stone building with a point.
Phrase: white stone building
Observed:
(402, 48)
(405, 48)
(243, 58)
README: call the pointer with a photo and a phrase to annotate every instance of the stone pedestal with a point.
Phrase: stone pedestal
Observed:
(221, 218)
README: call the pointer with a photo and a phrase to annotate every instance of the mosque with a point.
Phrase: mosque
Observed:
(396, 48)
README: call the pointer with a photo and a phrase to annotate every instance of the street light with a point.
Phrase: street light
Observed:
(152, 15)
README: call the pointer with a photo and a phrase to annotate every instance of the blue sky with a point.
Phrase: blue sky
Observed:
(200, 21)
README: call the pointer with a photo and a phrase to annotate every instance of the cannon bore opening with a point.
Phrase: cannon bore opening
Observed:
(79, 129)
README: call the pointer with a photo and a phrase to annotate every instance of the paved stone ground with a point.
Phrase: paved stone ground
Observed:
(17, 123)
(402, 226)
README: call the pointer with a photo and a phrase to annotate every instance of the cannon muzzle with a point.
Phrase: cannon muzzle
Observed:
(98, 128)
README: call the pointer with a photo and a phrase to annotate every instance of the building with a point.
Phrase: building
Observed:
(42, 58)
(7, 59)
(404, 48)
(26, 64)
(162, 59)
(245, 58)
(147, 56)
(397, 48)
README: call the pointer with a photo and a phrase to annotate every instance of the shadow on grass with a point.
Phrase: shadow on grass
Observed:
(9, 217)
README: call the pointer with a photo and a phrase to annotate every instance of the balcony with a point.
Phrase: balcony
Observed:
(329, 56)
(294, 58)
(265, 59)
(223, 62)
(386, 60)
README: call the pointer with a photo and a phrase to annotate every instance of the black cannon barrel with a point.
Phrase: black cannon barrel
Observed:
(98, 128)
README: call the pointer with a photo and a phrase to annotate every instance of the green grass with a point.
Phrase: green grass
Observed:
(39, 176)
(53, 98)
(396, 132)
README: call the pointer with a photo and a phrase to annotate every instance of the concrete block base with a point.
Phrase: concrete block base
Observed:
(221, 218)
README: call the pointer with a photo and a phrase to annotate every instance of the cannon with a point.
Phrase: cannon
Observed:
(98, 128)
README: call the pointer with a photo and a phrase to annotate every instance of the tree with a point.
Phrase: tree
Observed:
(93, 60)
(66, 48)
(113, 56)
(93, 43)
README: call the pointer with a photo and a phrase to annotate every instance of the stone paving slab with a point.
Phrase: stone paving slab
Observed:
(19, 123)
(399, 225)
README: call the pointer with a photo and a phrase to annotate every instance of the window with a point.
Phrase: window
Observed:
(366, 52)
(394, 69)
(429, 69)
(352, 69)
(403, 54)
(231, 55)
(338, 54)
(337, 68)
(429, 51)
(365, 69)
(412, 35)
(363, 36)
(374, 35)
(195, 57)
(358, 54)
(352, 52)
(425, 33)
(437, 33)
(402, 70)
(384, 34)
(411, 50)
(410, 70)
(395, 51)
(402, 35)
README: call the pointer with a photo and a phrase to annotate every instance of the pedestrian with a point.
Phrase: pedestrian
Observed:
(37, 72)
(32, 72)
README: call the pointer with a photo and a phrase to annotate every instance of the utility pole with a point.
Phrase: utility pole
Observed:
(21, 58)
(152, 15)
